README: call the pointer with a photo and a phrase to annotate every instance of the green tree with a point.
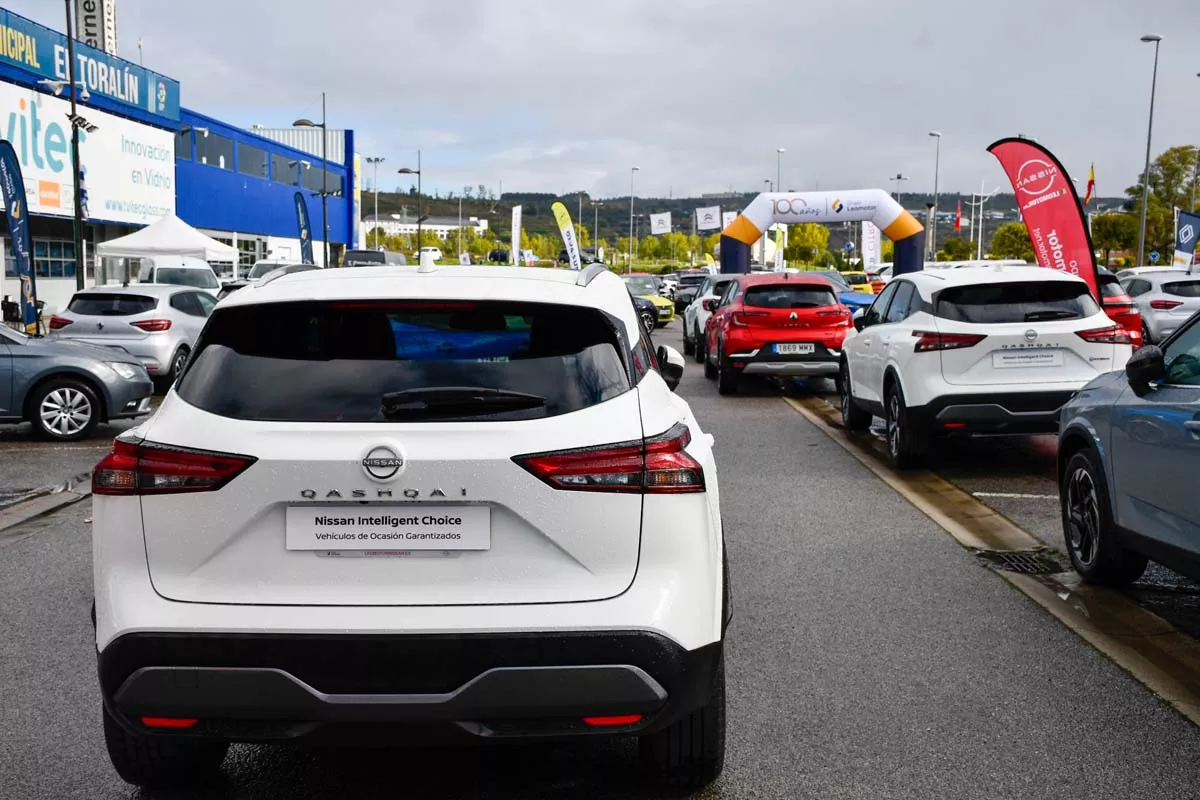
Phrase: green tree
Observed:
(1173, 184)
(711, 243)
(649, 247)
(887, 250)
(956, 249)
(1114, 232)
(1011, 240)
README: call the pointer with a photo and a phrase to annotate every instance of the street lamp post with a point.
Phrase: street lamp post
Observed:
(420, 217)
(596, 227)
(898, 177)
(375, 161)
(779, 166)
(77, 218)
(1157, 40)
(1195, 171)
(308, 123)
(632, 172)
(937, 164)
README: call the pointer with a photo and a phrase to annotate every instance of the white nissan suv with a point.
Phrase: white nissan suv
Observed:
(414, 505)
(988, 350)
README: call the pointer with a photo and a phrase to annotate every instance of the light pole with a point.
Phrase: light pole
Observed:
(779, 166)
(77, 217)
(308, 123)
(898, 177)
(375, 161)
(596, 227)
(632, 172)
(1195, 171)
(1149, 37)
(937, 164)
(420, 218)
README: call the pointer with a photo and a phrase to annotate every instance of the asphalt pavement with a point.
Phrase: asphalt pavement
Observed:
(869, 657)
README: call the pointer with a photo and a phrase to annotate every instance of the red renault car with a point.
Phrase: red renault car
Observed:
(775, 323)
(1120, 306)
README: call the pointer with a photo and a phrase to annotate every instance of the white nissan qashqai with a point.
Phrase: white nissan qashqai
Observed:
(400, 504)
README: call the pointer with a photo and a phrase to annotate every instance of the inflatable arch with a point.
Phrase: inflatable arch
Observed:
(870, 205)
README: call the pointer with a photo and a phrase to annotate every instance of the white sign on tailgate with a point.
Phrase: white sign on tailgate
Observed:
(434, 527)
(1014, 359)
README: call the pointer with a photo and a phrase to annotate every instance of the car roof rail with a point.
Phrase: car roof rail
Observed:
(276, 274)
(589, 274)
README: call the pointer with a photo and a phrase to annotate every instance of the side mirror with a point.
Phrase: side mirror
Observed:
(860, 320)
(711, 305)
(1144, 368)
(670, 366)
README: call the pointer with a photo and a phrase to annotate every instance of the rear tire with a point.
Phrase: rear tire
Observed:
(701, 344)
(689, 345)
(1092, 542)
(904, 444)
(728, 380)
(154, 761)
(710, 369)
(648, 319)
(1146, 334)
(690, 753)
(178, 362)
(853, 417)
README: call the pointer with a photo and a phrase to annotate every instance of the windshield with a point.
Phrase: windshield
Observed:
(690, 280)
(641, 284)
(183, 276)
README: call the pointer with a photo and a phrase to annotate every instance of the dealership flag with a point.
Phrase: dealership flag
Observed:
(660, 223)
(1048, 204)
(516, 235)
(708, 218)
(563, 217)
(1187, 229)
(12, 189)
(872, 246)
(727, 218)
(306, 254)
(958, 218)
(1091, 187)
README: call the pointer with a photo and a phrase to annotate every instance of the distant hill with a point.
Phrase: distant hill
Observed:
(613, 212)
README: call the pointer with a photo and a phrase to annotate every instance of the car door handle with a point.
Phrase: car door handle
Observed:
(1193, 427)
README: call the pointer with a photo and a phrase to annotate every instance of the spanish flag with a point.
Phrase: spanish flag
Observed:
(1091, 187)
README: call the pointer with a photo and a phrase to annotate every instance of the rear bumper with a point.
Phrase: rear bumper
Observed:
(792, 369)
(764, 361)
(1014, 412)
(369, 689)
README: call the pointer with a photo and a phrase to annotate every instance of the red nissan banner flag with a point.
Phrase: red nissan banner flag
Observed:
(1050, 208)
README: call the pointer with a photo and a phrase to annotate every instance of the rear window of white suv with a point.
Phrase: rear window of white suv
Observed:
(998, 303)
(399, 361)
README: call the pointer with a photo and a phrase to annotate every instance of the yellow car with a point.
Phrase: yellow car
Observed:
(646, 286)
(859, 282)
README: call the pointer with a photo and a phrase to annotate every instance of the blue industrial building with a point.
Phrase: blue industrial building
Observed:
(236, 185)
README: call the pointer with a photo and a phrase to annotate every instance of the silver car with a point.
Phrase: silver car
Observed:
(156, 323)
(1166, 299)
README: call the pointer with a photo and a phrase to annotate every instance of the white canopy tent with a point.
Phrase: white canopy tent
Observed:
(168, 236)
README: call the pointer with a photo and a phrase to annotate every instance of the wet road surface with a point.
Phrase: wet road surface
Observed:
(870, 656)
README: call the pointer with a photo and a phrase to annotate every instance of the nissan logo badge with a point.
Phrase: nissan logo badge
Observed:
(382, 463)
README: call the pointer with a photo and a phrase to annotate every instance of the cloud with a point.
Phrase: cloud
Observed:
(558, 96)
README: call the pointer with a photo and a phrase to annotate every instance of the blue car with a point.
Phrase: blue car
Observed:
(1129, 454)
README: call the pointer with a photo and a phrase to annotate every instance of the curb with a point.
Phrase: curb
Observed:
(70, 492)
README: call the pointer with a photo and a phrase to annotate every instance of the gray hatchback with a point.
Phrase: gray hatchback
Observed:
(1128, 454)
(156, 323)
(65, 389)
(1166, 300)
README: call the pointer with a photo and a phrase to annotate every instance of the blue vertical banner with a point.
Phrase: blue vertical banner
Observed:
(12, 189)
(306, 253)
(1187, 230)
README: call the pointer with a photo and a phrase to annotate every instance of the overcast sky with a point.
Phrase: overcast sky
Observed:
(560, 95)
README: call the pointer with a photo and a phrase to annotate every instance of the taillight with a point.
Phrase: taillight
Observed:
(153, 325)
(58, 323)
(1114, 335)
(136, 469)
(928, 341)
(658, 465)
(845, 317)
(739, 318)
(1165, 305)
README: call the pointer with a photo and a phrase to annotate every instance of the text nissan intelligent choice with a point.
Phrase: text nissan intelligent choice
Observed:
(391, 505)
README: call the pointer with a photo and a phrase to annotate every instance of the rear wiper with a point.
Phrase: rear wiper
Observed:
(1036, 316)
(454, 400)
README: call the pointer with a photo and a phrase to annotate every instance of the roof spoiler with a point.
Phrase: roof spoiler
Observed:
(589, 274)
(275, 274)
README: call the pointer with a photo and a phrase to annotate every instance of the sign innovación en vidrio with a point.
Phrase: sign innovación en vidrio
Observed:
(34, 48)
(128, 169)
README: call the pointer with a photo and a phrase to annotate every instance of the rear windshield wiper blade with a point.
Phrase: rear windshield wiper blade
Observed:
(456, 399)
(1035, 316)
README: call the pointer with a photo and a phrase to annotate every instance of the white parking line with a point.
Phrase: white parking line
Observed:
(1015, 496)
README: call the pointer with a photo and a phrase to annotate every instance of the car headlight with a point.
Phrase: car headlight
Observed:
(127, 371)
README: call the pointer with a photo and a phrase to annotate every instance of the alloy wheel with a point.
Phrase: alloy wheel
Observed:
(65, 411)
(846, 402)
(893, 424)
(1083, 516)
